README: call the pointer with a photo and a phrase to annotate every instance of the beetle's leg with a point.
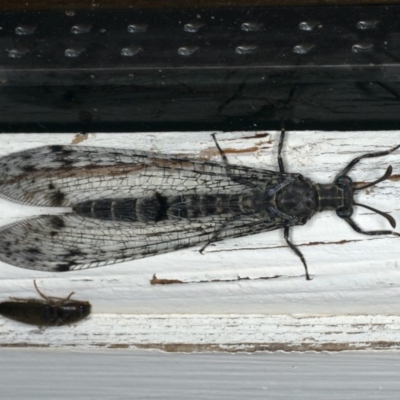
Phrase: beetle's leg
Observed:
(25, 299)
(280, 160)
(50, 300)
(40, 293)
(296, 250)
(359, 230)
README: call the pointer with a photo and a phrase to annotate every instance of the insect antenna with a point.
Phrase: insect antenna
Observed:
(385, 176)
(352, 163)
(360, 230)
(391, 220)
(388, 217)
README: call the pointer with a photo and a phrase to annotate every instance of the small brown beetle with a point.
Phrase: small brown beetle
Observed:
(52, 311)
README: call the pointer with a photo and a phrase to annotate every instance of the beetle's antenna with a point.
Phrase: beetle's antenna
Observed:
(385, 176)
(385, 215)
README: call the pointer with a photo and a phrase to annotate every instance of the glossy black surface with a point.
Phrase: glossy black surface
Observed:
(212, 68)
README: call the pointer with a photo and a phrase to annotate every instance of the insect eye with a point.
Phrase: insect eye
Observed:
(344, 212)
(344, 181)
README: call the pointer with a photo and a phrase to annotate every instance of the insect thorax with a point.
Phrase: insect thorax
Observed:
(298, 200)
(334, 196)
(71, 311)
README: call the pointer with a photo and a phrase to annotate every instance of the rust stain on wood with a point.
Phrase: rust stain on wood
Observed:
(214, 152)
(156, 281)
(79, 138)
(258, 136)
(394, 178)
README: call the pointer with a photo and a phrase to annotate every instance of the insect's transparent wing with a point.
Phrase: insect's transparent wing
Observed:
(62, 176)
(70, 242)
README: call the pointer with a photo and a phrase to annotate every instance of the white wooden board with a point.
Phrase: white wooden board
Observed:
(64, 375)
(256, 275)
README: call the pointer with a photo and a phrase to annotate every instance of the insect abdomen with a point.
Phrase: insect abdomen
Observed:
(158, 207)
(21, 312)
(145, 209)
(30, 312)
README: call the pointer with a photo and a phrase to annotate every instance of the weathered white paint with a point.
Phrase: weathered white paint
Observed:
(206, 333)
(353, 274)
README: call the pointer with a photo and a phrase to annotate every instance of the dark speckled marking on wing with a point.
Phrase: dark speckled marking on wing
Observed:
(87, 242)
(66, 175)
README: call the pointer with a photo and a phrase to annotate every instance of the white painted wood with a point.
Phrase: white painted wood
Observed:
(64, 375)
(205, 333)
(353, 274)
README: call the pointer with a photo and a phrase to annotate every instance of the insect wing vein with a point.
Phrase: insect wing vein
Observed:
(79, 243)
(62, 176)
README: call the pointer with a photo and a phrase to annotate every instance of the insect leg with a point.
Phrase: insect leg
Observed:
(40, 293)
(280, 160)
(214, 236)
(205, 246)
(359, 230)
(227, 165)
(24, 299)
(296, 250)
(368, 155)
(221, 152)
(50, 300)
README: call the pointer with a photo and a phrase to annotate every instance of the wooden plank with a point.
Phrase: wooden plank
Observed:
(64, 375)
(208, 333)
(354, 275)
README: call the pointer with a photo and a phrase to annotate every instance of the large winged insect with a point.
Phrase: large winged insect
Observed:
(129, 204)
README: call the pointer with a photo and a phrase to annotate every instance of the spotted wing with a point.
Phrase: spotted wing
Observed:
(71, 242)
(62, 176)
